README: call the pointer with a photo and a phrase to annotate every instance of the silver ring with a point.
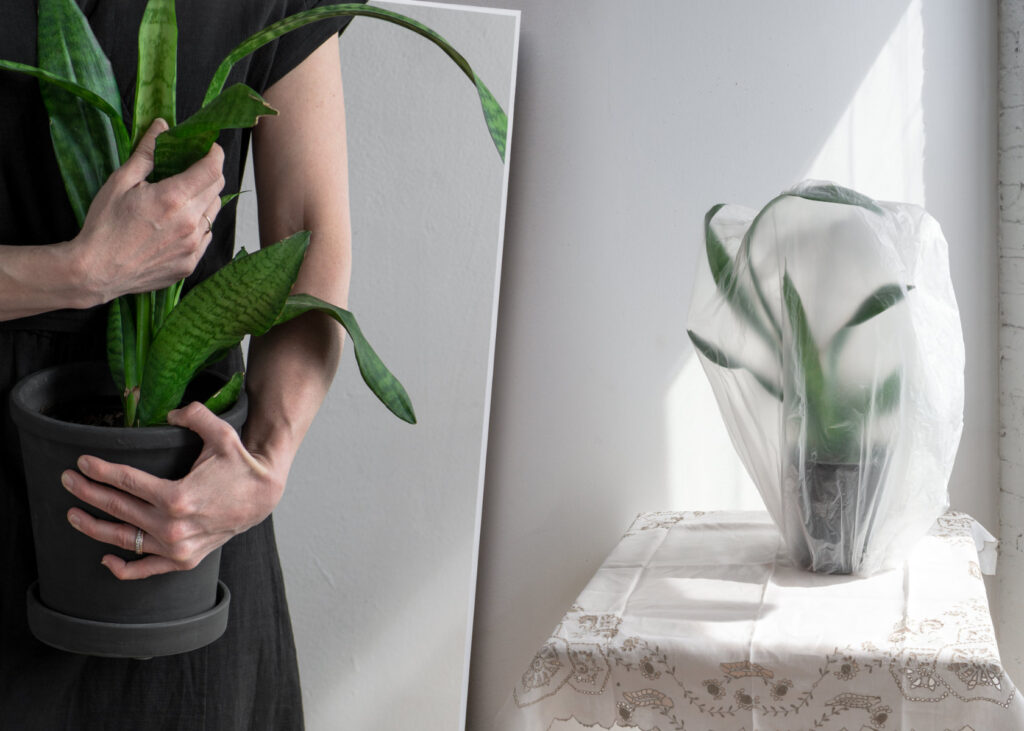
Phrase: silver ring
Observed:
(138, 541)
(209, 223)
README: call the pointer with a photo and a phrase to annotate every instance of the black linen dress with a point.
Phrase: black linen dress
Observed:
(248, 679)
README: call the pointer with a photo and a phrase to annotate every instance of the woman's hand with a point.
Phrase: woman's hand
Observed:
(141, 236)
(227, 492)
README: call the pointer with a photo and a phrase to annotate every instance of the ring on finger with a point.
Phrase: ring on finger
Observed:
(138, 541)
(209, 223)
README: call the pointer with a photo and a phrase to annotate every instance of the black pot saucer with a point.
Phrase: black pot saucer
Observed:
(115, 639)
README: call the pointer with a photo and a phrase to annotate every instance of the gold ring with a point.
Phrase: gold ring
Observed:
(138, 541)
(209, 223)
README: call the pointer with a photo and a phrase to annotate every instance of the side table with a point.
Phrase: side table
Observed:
(697, 621)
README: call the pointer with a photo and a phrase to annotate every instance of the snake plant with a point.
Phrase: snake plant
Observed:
(158, 341)
(833, 412)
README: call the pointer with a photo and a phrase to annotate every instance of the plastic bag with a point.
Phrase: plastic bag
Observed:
(827, 326)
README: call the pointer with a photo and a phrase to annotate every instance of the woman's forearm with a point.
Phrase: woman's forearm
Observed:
(300, 161)
(36, 279)
(290, 371)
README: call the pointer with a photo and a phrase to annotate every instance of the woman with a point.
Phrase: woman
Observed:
(54, 283)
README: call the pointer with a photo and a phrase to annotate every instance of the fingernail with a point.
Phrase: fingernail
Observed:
(83, 463)
(65, 480)
(73, 519)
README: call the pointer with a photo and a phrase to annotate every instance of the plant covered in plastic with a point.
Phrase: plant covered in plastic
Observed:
(827, 326)
(158, 341)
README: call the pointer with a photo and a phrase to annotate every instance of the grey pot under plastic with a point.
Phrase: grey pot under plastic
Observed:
(838, 507)
(77, 604)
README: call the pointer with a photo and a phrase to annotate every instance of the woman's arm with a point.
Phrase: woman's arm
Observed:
(300, 159)
(301, 166)
(136, 237)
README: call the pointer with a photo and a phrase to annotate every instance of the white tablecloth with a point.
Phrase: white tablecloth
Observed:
(697, 621)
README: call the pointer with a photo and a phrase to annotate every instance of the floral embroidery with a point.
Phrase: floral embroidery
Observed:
(975, 667)
(625, 711)
(648, 697)
(879, 715)
(848, 670)
(746, 669)
(780, 689)
(920, 677)
(542, 668)
(714, 689)
(663, 519)
(854, 700)
(647, 669)
(585, 667)
(602, 625)
(744, 700)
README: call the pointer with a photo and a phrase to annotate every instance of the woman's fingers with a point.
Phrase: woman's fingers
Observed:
(121, 535)
(217, 435)
(140, 164)
(126, 479)
(141, 236)
(141, 569)
(112, 502)
(174, 539)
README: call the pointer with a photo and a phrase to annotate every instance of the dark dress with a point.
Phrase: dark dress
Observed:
(248, 679)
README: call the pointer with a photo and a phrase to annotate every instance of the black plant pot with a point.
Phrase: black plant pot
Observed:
(77, 604)
(838, 504)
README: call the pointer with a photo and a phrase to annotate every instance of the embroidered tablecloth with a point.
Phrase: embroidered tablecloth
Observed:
(697, 621)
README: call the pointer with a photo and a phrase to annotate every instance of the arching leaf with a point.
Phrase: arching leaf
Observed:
(494, 115)
(376, 375)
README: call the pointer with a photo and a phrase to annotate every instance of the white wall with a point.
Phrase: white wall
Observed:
(631, 120)
(378, 527)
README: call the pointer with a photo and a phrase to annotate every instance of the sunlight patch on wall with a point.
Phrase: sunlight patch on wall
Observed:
(704, 471)
(877, 147)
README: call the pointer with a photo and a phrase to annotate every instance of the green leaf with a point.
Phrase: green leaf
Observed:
(832, 193)
(185, 143)
(78, 91)
(721, 358)
(887, 396)
(163, 302)
(877, 302)
(723, 271)
(156, 79)
(244, 297)
(808, 364)
(225, 199)
(121, 344)
(376, 375)
(227, 395)
(122, 355)
(84, 138)
(494, 115)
